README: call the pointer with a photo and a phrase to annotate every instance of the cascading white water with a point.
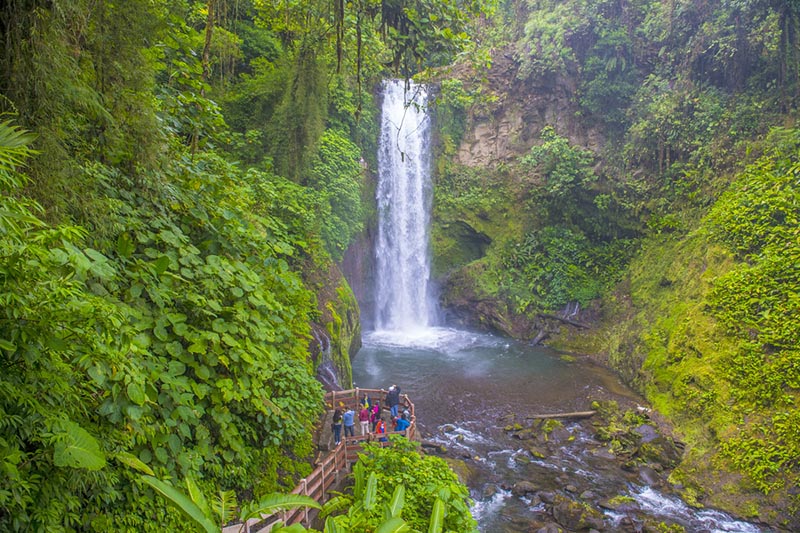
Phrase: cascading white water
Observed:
(402, 296)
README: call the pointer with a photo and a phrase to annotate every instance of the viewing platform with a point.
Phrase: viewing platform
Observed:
(334, 462)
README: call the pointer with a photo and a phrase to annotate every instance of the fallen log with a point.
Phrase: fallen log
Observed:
(433, 446)
(574, 414)
(564, 320)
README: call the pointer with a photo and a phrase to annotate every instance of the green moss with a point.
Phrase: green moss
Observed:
(550, 425)
(620, 500)
(344, 330)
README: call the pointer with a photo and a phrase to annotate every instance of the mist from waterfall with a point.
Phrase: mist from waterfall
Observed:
(403, 299)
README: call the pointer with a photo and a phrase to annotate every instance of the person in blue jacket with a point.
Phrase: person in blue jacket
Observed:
(401, 423)
(348, 418)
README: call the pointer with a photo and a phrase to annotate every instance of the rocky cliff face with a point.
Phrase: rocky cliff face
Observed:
(336, 335)
(503, 125)
(508, 126)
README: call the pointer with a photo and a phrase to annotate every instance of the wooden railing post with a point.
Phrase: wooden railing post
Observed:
(305, 509)
(322, 468)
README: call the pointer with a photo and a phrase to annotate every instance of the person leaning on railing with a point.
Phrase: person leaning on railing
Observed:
(401, 423)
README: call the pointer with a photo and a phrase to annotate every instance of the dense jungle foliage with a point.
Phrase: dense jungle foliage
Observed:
(178, 180)
(643, 169)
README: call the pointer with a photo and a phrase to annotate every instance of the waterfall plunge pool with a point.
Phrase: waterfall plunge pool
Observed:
(465, 385)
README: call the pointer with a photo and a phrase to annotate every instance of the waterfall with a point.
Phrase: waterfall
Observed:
(403, 299)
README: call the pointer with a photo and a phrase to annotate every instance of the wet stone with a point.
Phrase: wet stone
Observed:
(628, 525)
(649, 476)
(525, 434)
(648, 432)
(559, 435)
(537, 452)
(576, 516)
(603, 453)
(549, 528)
(522, 459)
(488, 491)
(619, 504)
(546, 496)
(523, 488)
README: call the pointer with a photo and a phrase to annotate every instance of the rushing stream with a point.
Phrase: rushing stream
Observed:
(467, 387)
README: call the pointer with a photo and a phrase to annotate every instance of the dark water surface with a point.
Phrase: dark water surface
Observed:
(459, 377)
(465, 385)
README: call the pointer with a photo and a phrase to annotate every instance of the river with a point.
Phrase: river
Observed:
(466, 387)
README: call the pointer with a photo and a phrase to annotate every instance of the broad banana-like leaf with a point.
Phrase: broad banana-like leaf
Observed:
(437, 517)
(371, 491)
(393, 525)
(182, 502)
(358, 481)
(337, 503)
(331, 527)
(197, 496)
(397, 502)
(14, 143)
(276, 502)
(134, 462)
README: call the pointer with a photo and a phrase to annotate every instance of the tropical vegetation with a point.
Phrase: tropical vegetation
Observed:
(180, 181)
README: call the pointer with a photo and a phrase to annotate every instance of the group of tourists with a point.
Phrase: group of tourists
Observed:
(370, 417)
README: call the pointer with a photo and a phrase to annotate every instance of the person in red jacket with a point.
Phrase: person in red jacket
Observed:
(363, 417)
(380, 429)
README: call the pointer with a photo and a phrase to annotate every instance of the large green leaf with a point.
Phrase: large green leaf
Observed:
(294, 528)
(182, 502)
(76, 448)
(437, 517)
(371, 491)
(337, 503)
(133, 462)
(396, 504)
(198, 497)
(393, 525)
(331, 527)
(359, 476)
(276, 502)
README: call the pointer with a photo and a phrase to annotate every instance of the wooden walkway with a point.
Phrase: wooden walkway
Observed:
(335, 465)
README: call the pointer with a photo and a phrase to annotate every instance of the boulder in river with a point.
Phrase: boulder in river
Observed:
(620, 504)
(547, 497)
(576, 516)
(523, 488)
(550, 528)
(660, 450)
(525, 434)
(537, 452)
(603, 453)
(463, 470)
